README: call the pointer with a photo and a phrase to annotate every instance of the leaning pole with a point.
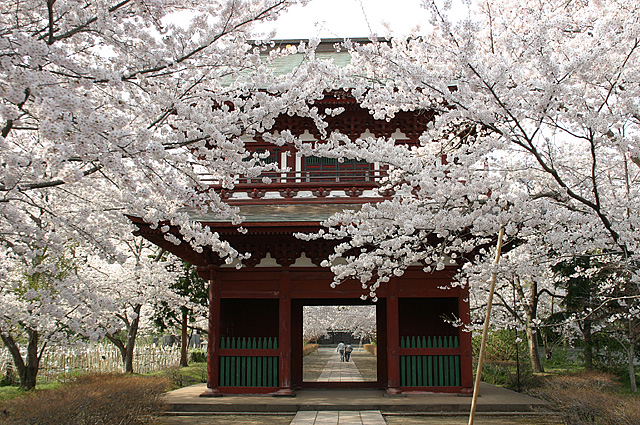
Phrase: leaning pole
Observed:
(485, 330)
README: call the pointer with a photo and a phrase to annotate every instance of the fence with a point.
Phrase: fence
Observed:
(59, 362)
(436, 363)
(248, 362)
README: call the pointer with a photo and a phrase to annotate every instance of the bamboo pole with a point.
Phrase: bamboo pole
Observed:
(485, 330)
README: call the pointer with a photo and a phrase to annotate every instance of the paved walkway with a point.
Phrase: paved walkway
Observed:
(337, 371)
(493, 399)
(369, 417)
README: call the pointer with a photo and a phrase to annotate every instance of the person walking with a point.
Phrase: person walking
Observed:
(340, 350)
(347, 352)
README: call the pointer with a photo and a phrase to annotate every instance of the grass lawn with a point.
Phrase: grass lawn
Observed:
(195, 373)
(12, 391)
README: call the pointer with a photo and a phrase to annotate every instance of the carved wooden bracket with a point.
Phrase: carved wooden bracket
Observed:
(285, 253)
(288, 193)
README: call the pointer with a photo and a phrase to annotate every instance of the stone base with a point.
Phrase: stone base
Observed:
(211, 392)
(466, 392)
(284, 392)
(394, 392)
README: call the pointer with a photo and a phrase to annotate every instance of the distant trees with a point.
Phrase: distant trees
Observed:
(319, 321)
(195, 292)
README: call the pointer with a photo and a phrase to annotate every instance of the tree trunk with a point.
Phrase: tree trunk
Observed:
(632, 370)
(534, 353)
(184, 341)
(115, 340)
(28, 372)
(588, 345)
(126, 350)
(530, 307)
(131, 340)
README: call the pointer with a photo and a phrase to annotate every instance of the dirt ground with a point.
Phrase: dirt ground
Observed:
(367, 364)
(464, 420)
(228, 420)
(391, 420)
(314, 363)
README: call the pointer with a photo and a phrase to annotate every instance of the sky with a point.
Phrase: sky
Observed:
(350, 18)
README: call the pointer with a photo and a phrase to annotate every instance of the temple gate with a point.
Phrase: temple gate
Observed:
(255, 312)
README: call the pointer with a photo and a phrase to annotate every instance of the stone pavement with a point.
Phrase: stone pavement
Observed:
(350, 406)
(337, 371)
(492, 399)
(367, 417)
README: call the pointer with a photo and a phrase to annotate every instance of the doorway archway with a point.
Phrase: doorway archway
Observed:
(297, 321)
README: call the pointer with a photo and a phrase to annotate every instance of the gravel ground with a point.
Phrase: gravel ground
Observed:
(367, 364)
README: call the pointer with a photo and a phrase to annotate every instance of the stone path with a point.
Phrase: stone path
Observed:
(352, 406)
(337, 371)
(369, 417)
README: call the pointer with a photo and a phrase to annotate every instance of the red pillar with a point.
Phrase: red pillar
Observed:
(213, 344)
(466, 360)
(393, 339)
(296, 341)
(284, 337)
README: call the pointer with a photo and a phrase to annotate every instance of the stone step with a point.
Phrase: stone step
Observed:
(367, 417)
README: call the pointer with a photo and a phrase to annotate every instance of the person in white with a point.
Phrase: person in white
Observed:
(340, 350)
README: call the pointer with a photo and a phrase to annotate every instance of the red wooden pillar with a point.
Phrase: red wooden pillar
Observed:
(213, 359)
(284, 337)
(296, 341)
(466, 359)
(393, 339)
(381, 321)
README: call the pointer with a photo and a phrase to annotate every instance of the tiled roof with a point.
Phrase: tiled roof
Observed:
(284, 213)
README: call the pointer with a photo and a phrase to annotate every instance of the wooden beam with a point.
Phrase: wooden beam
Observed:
(393, 339)
(213, 344)
(284, 337)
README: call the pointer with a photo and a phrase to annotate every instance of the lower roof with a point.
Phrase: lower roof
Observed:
(308, 213)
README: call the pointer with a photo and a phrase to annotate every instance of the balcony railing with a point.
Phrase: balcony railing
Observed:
(315, 178)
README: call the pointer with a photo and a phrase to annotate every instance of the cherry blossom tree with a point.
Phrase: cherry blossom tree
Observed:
(360, 321)
(536, 126)
(44, 302)
(525, 293)
(132, 108)
(116, 108)
(130, 289)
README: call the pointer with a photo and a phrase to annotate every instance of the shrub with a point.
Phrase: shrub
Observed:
(371, 348)
(10, 377)
(590, 398)
(90, 400)
(500, 346)
(308, 349)
(198, 356)
(505, 374)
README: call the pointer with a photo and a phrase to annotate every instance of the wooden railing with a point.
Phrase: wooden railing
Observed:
(248, 362)
(315, 176)
(429, 361)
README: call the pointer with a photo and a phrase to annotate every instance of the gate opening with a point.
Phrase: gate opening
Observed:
(340, 344)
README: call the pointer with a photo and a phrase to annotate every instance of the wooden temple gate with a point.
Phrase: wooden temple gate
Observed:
(255, 312)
